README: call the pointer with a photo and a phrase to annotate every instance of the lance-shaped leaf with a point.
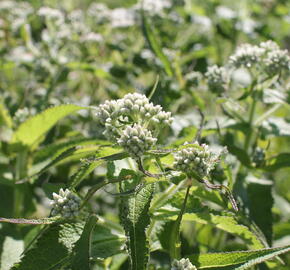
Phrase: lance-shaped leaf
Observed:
(30, 131)
(237, 260)
(135, 219)
(82, 248)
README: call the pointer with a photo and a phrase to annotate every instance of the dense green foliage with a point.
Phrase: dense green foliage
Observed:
(146, 134)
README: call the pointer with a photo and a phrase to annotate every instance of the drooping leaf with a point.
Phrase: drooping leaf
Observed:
(53, 248)
(82, 248)
(237, 260)
(135, 219)
(30, 131)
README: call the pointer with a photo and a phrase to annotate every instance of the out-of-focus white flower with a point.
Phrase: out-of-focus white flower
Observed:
(225, 13)
(204, 23)
(52, 14)
(183, 264)
(21, 55)
(246, 55)
(92, 37)
(246, 25)
(99, 12)
(216, 78)
(122, 17)
(154, 7)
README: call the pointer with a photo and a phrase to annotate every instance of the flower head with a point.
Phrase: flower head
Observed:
(216, 79)
(196, 159)
(183, 264)
(136, 140)
(133, 122)
(246, 55)
(65, 203)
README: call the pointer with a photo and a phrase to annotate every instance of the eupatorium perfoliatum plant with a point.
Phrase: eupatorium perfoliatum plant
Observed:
(138, 196)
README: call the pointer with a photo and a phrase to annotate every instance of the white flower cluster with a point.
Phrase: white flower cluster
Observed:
(136, 140)
(65, 203)
(268, 54)
(196, 159)
(216, 78)
(246, 55)
(276, 61)
(132, 121)
(183, 264)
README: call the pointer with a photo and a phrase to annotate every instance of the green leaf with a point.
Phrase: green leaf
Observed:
(238, 260)
(277, 162)
(53, 248)
(135, 219)
(260, 204)
(89, 165)
(5, 118)
(225, 223)
(82, 248)
(106, 243)
(30, 131)
(153, 43)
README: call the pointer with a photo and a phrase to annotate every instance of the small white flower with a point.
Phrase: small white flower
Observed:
(65, 204)
(122, 17)
(216, 78)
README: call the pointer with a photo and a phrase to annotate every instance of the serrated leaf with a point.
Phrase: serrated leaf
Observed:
(153, 43)
(237, 260)
(30, 131)
(82, 248)
(135, 219)
(225, 223)
(53, 248)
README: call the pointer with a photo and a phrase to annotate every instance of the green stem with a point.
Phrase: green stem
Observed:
(175, 251)
(250, 122)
